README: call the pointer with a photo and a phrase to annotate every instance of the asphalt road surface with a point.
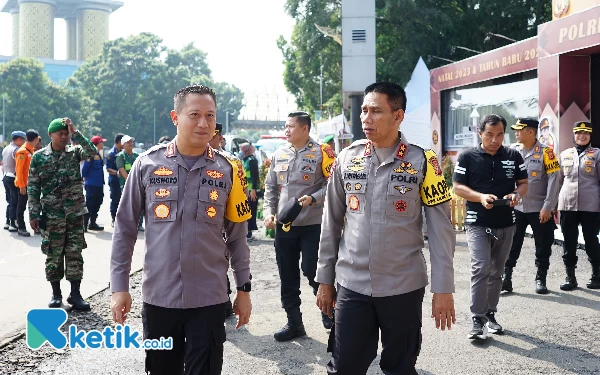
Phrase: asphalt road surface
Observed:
(552, 334)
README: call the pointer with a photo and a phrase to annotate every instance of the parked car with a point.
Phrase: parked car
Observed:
(269, 144)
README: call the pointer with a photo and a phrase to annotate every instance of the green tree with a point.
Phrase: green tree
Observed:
(406, 30)
(136, 77)
(308, 49)
(33, 100)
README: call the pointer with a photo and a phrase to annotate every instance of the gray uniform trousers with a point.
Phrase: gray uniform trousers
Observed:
(488, 256)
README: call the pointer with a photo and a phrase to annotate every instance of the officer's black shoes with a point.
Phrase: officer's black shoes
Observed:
(56, 300)
(85, 228)
(327, 321)
(507, 279)
(290, 332)
(12, 226)
(570, 281)
(594, 282)
(492, 324)
(23, 233)
(141, 228)
(94, 226)
(479, 330)
(75, 299)
(294, 327)
(540, 282)
(229, 310)
(7, 225)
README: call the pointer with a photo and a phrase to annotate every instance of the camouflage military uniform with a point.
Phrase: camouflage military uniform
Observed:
(56, 197)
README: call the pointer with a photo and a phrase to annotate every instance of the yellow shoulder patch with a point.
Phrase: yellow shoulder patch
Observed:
(328, 159)
(434, 189)
(21, 156)
(550, 161)
(238, 208)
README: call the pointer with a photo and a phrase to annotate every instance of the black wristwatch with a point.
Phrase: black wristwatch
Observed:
(245, 288)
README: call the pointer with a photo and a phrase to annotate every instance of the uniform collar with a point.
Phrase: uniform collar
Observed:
(482, 151)
(28, 147)
(48, 149)
(171, 151)
(400, 152)
(309, 144)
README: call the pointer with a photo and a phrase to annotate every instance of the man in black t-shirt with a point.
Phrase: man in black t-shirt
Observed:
(484, 176)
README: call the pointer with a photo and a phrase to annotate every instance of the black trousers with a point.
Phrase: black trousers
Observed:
(94, 195)
(198, 336)
(543, 235)
(12, 197)
(289, 246)
(115, 195)
(590, 226)
(355, 335)
(252, 221)
(21, 207)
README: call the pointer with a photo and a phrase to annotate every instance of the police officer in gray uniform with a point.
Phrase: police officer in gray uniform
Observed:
(371, 243)
(579, 203)
(299, 169)
(192, 196)
(536, 207)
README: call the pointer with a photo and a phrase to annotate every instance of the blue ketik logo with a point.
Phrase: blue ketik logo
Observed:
(43, 325)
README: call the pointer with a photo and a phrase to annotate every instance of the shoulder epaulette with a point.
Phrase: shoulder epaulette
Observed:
(152, 149)
(358, 143)
(419, 146)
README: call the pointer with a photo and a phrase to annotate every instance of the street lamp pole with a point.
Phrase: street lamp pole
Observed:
(154, 137)
(3, 118)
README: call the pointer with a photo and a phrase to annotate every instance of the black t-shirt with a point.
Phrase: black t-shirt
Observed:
(490, 174)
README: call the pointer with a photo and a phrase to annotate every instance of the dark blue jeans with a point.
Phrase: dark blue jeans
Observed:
(115, 195)
(12, 197)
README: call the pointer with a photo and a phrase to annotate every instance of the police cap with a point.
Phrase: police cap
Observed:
(289, 213)
(584, 126)
(523, 123)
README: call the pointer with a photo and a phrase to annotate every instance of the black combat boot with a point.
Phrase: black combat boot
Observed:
(86, 222)
(540, 281)
(56, 300)
(570, 281)
(294, 327)
(75, 298)
(594, 282)
(94, 226)
(507, 279)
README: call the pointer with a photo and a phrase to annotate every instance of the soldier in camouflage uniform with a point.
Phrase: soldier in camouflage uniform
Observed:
(57, 206)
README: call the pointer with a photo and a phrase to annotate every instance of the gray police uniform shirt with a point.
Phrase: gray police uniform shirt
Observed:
(8, 159)
(543, 178)
(184, 263)
(295, 173)
(371, 240)
(580, 190)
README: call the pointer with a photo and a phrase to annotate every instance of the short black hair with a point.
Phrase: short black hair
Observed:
(492, 120)
(302, 117)
(396, 96)
(31, 135)
(179, 98)
(118, 137)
